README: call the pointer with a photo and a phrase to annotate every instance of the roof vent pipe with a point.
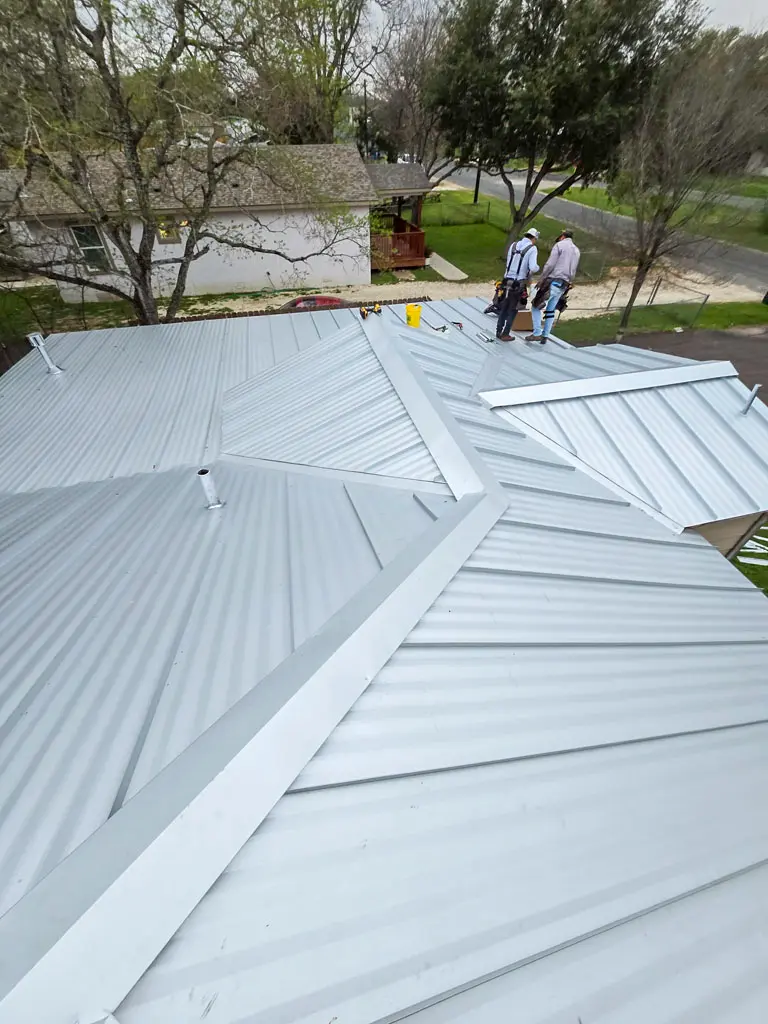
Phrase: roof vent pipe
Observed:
(214, 501)
(36, 341)
(750, 400)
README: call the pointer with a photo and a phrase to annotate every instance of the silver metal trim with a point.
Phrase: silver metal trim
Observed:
(616, 383)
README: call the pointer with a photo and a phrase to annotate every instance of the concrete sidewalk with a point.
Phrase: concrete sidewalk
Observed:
(445, 269)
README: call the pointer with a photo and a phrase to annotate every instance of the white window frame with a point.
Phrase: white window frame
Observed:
(85, 250)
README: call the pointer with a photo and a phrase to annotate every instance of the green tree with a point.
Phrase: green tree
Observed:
(552, 82)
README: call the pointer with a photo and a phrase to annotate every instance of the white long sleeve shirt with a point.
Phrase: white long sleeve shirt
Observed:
(521, 268)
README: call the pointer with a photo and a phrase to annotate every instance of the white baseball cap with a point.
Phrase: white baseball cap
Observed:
(532, 232)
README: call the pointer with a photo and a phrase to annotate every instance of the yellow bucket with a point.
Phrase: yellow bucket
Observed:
(413, 314)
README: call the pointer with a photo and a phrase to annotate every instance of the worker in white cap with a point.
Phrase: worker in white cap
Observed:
(522, 264)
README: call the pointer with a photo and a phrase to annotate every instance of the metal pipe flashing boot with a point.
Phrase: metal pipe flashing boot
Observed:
(36, 341)
(214, 501)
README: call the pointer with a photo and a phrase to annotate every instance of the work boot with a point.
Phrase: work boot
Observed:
(505, 337)
(535, 337)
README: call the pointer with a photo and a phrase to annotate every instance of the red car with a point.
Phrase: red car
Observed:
(314, 302)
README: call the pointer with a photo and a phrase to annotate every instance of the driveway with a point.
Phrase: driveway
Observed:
(747, 267)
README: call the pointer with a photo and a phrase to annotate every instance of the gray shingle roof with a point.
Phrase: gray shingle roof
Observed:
(399, 179)
(264, 177)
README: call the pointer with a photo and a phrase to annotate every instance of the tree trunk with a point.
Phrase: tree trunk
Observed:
(640, 275)
(145, 304)
(517, 227)
(177, 294)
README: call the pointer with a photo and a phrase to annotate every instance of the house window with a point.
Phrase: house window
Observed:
(168, 230)
(92, 248)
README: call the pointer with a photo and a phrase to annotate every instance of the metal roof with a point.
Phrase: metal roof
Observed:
(146, 597)
(686, 449)
(392, 748)
(159, 390)
(612, 384)
(340, 387)
(698, 959)
(666, 433)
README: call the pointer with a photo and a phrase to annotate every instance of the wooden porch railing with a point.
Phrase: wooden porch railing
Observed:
(404, 247)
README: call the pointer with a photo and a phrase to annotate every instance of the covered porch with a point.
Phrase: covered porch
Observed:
(396, 242)
(397, 245)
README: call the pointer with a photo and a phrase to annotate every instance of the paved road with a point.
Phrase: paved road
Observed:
(496, 187)
(747, 267)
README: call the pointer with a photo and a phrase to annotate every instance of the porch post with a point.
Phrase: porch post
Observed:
(417, 211)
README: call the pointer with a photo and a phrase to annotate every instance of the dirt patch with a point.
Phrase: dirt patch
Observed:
(585, 300)
(668, 286)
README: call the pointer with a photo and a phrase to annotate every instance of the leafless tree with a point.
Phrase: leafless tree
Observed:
(402, 77)
(697, 127)
(124, 112)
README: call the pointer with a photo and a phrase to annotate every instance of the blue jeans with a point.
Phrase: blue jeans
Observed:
(556, 290)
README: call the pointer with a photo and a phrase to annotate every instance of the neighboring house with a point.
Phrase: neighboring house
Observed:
(423, 722)
(281, 207)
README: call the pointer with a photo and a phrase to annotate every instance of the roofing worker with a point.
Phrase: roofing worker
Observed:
(556, 278)
(522, 263)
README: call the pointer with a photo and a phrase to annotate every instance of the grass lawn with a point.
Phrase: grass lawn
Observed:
(741, 227)
(387, 277)
(23, 310)
(474, 238)
(757, 553)
(645, 319)
(754, 187)
(757, 573)
(477, 249)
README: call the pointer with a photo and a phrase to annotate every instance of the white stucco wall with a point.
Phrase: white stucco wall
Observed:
(226, 269)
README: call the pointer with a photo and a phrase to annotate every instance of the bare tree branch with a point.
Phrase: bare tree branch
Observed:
(696, 131)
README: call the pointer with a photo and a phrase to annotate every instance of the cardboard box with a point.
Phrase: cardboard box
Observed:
(523, 321)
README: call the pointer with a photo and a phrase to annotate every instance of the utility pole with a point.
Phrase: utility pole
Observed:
(477, 185)
(365, 118)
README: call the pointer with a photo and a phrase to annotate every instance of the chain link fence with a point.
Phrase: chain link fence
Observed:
(436, 213)
(671, 303)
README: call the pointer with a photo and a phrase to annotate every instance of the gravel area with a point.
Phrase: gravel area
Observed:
(585, 300)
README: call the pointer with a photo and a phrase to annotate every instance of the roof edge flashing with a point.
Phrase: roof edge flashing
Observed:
(588, 387)
(83, 936)
(459, 463)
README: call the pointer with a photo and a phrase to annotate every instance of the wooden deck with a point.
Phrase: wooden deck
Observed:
(404, 247)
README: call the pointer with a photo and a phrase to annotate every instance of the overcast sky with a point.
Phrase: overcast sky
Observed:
(751, 14)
